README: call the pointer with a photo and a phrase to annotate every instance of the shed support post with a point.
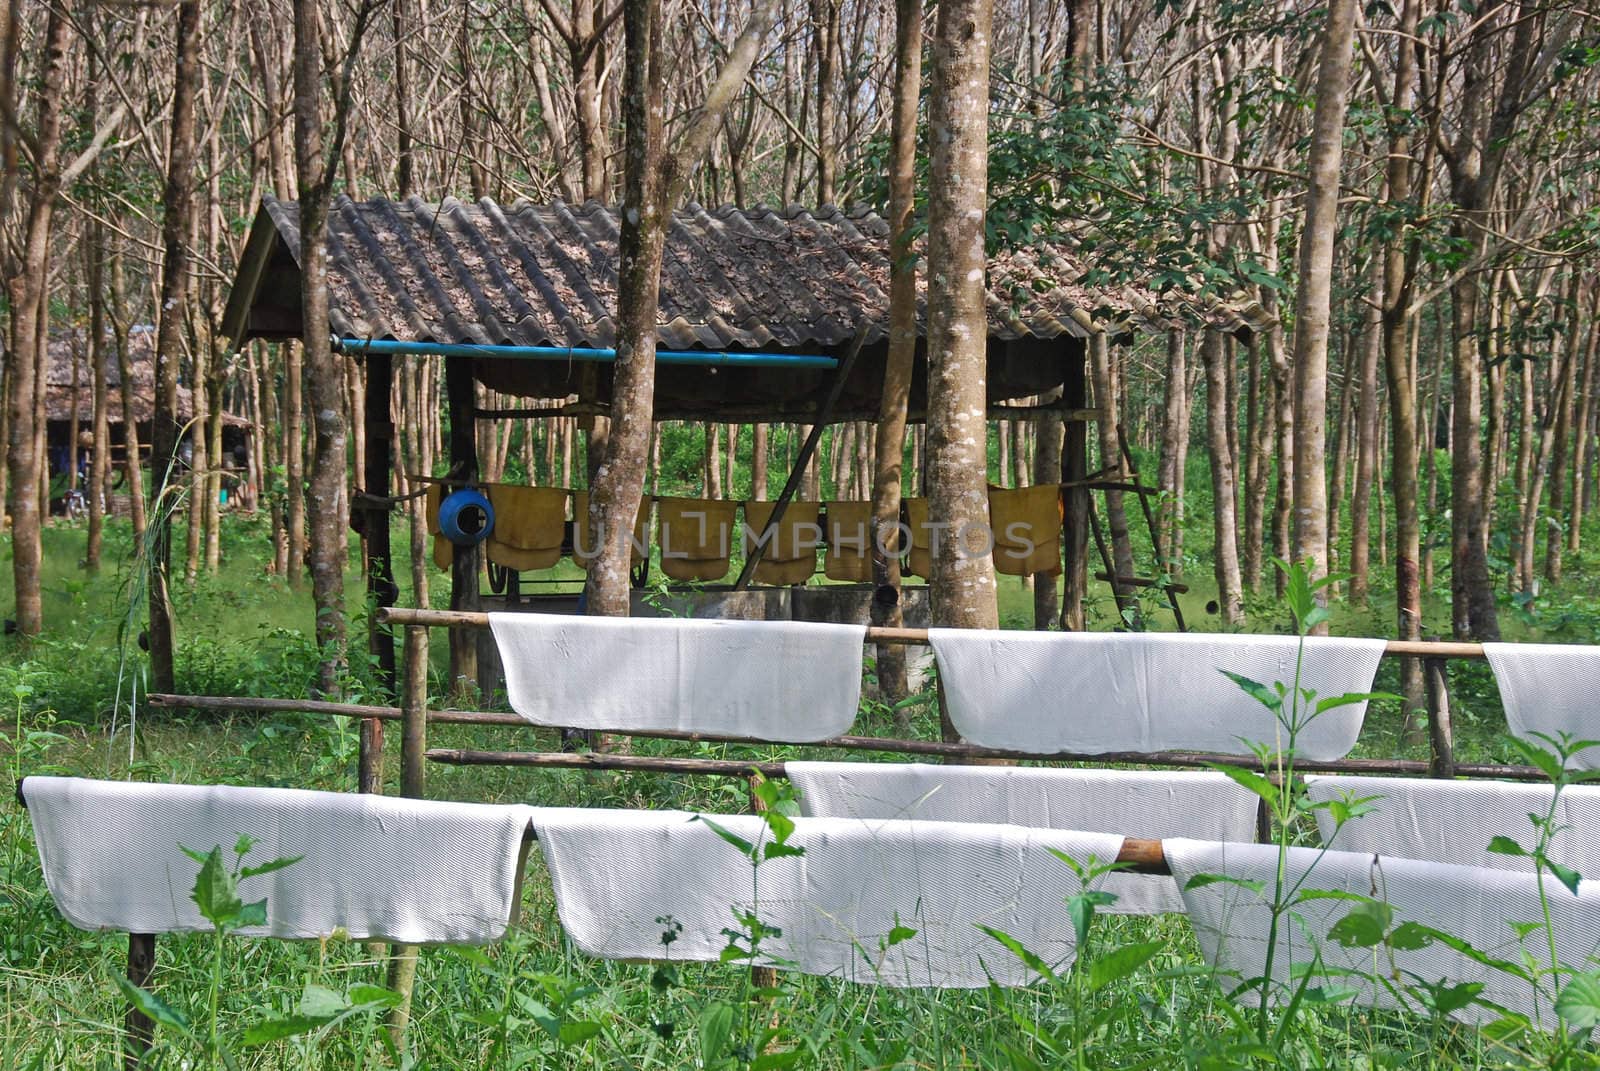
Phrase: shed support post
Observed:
(463, 473)
(374, 520)
(1075, 512)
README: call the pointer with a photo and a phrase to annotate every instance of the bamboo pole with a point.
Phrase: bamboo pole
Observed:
(413, 767)
(742, 768)
(402, 615)
(883, 744)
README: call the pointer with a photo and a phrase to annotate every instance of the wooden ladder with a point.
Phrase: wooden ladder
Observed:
(1123, 587)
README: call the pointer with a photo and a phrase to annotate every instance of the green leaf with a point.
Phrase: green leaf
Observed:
(1329, 994)
(1506, 846)
(153, 1006)
(250, 915)
(242, 846)
(546, 1019)
(215, 893)
(577, 1033)
(1445, 999)
(1410, 936)
(727, 834)
(777, 850)
(267, 868)
(1255, 690)
(1250, 780)
(1363, 927)
(1548, 763)
(775, 1061)
(897, 934)
(374, 996)
(780, 824)
(1578, 1003)
(1033, 962)
(320, 1002)
(1119, 963)
(1350, 699)
(1565, 875)
(1200, 881)
(277, 1028)
(716, 1029)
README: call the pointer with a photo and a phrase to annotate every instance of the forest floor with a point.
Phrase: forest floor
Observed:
(243, 632)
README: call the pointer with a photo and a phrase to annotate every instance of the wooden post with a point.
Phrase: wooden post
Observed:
(413, 764)
(1075, 514)
(374, 521)
(414, 714)
(140, 1028)
(1441, 735)
(463, 473)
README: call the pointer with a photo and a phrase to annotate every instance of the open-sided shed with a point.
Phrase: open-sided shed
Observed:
(765, 315)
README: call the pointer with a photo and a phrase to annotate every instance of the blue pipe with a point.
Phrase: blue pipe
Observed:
(580, 353)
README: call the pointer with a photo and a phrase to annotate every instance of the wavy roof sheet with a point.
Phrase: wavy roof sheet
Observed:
(538, 275)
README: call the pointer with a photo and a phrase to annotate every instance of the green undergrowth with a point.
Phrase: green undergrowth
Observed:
(533, 1001)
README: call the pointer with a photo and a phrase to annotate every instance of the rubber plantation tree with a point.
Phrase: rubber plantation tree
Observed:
(177, 215)
(962, 582)
(1314, 292)
(652, 182)
(316, 168)
(887, 481)
(27, 291)
(27, 281)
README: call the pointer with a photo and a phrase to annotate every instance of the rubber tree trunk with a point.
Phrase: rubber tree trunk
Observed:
(1225, 521)
(1400, 371)
(1555, 538)
(1314, 291)
(652, 182)
(1174, 452)
(99, 461)
(887, 482)
(962, 584)
(177, 211)
(324, 370)
(28, 293)
(1366, 446)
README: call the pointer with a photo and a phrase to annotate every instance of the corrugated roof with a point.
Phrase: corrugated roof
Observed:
(69, 349)
(539, 275)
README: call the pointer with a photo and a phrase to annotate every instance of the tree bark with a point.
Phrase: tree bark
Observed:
(176, 227)
(758, 461)
(962, 584)
(99, 462)
(652, 182)
(1366, 445)
(1225, 547)
(1314, 292)
(1399, 270)
(887, 484)
(28, 292)
(1555, 538)
(1174, 453)
(323, 369)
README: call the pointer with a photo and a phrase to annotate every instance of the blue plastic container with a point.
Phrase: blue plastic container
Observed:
(465, 517)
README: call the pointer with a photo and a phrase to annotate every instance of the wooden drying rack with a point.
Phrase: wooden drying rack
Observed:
(1138, 855)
